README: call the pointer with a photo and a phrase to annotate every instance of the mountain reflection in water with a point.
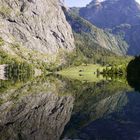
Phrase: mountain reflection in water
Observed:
(35, 110)
(54, 108)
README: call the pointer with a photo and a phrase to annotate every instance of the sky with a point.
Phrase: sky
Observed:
(80, 3)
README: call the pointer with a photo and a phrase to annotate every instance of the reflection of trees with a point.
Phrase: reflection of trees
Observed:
(133, 73)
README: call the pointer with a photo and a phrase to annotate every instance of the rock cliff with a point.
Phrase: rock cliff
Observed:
(37, 26)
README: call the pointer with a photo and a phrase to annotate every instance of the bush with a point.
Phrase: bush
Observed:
(1, 41)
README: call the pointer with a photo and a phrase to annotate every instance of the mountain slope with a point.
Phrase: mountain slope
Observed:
(112, 14)
(132, 35)
(34, 30)
(99, 38)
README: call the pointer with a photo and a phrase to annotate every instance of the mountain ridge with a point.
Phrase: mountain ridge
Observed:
(103, 38)
(111, 14)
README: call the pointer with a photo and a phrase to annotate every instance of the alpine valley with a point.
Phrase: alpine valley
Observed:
(38, 33)
(69, 73)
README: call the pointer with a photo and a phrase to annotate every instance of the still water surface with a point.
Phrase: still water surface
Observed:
(56, 108)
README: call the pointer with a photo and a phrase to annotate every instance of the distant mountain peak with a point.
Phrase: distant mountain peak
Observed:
(110, 13)
(94, 3)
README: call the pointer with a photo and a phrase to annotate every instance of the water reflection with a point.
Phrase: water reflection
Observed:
(115, 117)
(35, 110)
(54, 108)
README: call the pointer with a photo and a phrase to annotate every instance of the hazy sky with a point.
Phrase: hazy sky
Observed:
(80, 3)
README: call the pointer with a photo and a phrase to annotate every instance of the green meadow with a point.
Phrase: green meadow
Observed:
(83, 72)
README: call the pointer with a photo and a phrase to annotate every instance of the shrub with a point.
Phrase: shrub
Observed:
(1, 41)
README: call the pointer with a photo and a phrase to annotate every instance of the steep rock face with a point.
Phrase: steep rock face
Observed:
(37, 25)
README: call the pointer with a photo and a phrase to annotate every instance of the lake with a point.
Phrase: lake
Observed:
(60, 108)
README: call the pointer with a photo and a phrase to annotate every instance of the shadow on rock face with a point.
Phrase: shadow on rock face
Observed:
(133, 73)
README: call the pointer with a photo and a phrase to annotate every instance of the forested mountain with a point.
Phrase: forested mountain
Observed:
(132, 36)
(101, 38)
(118, 16)
(94, 45)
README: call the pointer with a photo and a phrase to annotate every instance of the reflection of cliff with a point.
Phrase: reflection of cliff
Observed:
(118, 118)
(103, 102)
(35, 111)
(109, 105)
(89, 94)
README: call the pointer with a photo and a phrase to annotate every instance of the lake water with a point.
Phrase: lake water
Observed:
(56, 108)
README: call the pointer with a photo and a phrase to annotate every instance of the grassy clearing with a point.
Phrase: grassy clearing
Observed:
(84, 77)
(84, 73)
(83, 69)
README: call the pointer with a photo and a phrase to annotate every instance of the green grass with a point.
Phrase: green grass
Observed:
(91, 73)
(83, 73)
(86, 69)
